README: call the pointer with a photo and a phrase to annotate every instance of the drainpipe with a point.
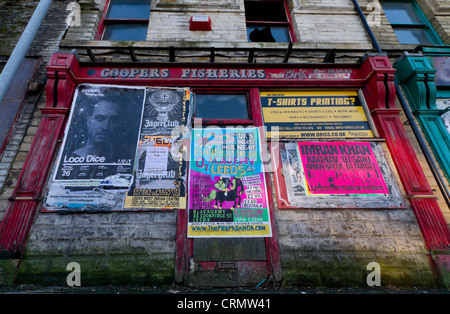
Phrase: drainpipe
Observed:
(411, 120)
(22, 46)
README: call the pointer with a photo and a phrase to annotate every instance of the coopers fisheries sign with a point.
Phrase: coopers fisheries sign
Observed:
(221, 73)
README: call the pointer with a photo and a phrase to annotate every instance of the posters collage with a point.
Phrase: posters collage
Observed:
(133, 148)
(121, 150)
(335, 175)
(317, 169)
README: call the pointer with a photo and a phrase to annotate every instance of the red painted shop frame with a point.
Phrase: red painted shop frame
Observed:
(375, 77)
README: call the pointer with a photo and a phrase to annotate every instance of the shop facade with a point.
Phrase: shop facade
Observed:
(228, 174)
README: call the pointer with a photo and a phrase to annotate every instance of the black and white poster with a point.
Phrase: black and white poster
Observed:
(103, 133)
(166, 111)
(159, 179)
(94, 168)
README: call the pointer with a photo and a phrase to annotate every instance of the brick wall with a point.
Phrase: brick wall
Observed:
(174, 26)
(15, 16)
(14, 156)
(379, 24)
(328, 22)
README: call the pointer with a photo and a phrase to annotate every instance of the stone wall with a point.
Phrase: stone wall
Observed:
(334, 247)
(317, 247)
(111, 248)
(15, 16)
(332, 22)
(436, 11)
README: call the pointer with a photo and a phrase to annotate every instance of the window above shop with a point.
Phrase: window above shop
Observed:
(268, 21)
(409, 23)
(125, 20)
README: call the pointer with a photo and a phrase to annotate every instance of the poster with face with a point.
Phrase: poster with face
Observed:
(122, 150)
(227, 188)
(95, 166)
(103, 133)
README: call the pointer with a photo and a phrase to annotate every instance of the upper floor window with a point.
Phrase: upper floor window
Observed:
(268, 21)
(409, 23)
(125, 20)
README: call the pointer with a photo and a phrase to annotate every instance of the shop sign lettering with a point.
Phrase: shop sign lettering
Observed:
(219, 73)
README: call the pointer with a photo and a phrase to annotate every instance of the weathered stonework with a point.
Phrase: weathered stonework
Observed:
(317, 247)
(111, 248)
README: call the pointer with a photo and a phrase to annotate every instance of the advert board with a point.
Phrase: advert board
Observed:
(159, 179)
(227, 187)
(334, 175)
(314, 114)
(101, 160)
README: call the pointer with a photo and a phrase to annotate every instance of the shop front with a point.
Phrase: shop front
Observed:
(230, 151)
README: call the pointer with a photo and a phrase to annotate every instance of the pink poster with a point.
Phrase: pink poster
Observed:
(341, 168)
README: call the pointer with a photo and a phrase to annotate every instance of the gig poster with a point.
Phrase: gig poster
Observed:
(102, 136)
(315, 114)
(117, 143)
(334, 175)
(341, 168)
(159, 179)
(227, 188)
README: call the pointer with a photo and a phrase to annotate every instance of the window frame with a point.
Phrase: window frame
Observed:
(104, 22)
(288, 23)
(425, 24)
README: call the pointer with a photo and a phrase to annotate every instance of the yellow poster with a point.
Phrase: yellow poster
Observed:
(314, 114)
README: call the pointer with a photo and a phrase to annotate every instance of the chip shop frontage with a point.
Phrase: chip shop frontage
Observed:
(231, 174)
